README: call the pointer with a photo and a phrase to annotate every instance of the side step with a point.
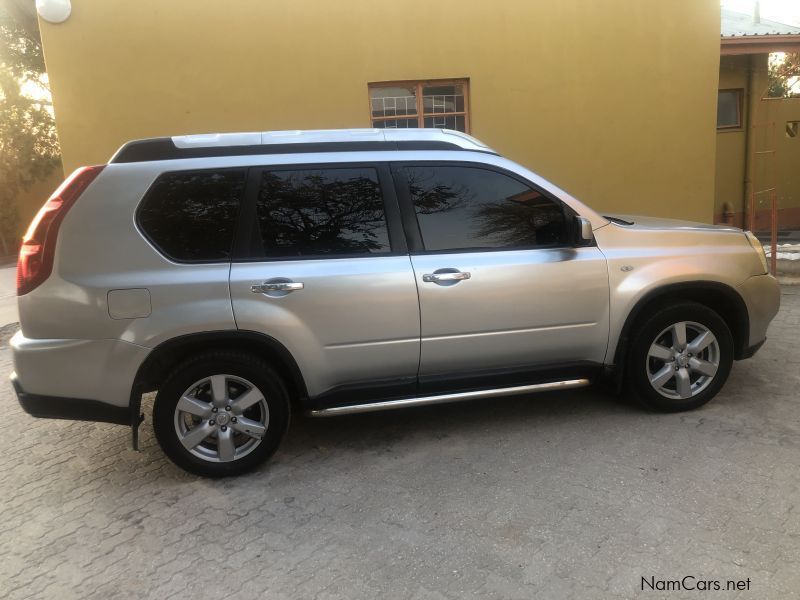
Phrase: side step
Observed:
(443, 398)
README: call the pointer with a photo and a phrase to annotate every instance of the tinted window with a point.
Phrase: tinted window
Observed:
(321, 212)
(462, 208)
(191, 216)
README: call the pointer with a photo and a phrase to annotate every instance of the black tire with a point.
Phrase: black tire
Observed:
(240, 365)
(636, 367)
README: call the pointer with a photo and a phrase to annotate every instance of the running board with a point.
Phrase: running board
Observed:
(443, 398)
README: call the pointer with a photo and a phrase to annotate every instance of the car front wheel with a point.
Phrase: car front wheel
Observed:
(680, 357)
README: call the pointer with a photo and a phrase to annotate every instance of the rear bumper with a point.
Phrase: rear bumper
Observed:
(87, 380)
(76, 409)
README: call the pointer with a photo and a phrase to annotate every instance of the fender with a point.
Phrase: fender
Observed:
(168, 354)
(733, 311)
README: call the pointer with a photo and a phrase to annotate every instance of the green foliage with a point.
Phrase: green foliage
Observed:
(29, 148)
(780, 71)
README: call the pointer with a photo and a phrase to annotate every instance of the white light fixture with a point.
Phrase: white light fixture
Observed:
(54, 11)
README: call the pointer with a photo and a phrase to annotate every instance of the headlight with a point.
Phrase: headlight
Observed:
(758, 248)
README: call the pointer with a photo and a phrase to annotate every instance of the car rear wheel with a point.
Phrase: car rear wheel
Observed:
(221, 414)
(680, 357)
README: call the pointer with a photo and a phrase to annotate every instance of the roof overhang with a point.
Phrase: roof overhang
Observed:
(760, 44)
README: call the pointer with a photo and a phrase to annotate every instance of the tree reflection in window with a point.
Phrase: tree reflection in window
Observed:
(463, 208)
(191, 215)
(321, 212)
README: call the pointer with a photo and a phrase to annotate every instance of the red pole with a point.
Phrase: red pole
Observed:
(774, 233)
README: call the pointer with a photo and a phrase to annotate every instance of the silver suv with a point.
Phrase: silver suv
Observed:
(246, 276)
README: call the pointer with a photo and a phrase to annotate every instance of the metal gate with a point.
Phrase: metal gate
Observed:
(762, 210)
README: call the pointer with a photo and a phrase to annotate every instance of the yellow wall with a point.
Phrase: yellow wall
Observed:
(614, 101)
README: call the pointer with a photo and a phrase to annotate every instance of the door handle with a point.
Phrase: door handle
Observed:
(446, 276)
(277, 286)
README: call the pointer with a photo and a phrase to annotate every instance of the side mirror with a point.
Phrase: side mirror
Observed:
(583, 231)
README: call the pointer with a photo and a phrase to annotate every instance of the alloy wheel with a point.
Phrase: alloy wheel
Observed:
(683, 360)
(221, 418)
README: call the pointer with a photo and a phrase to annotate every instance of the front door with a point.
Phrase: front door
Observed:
(503, 291)
(327, 274)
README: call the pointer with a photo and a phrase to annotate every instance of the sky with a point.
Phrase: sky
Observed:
(783, 11)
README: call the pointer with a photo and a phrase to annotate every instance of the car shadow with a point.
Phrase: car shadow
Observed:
(314, 443)
(454, 418)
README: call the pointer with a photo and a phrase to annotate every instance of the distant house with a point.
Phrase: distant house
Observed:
(758, 138)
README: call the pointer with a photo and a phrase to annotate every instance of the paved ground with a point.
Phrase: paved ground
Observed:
(574, 495)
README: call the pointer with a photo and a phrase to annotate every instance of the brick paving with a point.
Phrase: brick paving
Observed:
(571, 495)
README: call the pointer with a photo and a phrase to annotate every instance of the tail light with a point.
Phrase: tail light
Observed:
(38, 248)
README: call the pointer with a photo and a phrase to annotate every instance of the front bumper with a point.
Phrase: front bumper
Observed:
(762, 295)
(750, 351)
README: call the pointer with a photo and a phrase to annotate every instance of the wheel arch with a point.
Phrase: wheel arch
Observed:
(167, 355)
(719, 297)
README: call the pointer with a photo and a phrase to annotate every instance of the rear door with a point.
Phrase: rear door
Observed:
(504, 292)
(322, 266)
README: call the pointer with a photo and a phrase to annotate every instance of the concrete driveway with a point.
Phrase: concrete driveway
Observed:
(571, 495)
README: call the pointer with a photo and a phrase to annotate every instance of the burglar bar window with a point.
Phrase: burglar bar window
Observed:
(436, 104)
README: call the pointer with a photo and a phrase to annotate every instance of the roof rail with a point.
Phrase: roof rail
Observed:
(292, 142)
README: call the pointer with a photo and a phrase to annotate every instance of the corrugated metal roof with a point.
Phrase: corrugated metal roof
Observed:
(736, 24)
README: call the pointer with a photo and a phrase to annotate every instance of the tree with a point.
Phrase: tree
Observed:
(29, 149)
(780, 72)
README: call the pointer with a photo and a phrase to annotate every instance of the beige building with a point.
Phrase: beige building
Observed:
(591, 95)
(758, 138)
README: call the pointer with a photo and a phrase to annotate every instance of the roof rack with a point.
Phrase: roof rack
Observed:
(292, 142)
